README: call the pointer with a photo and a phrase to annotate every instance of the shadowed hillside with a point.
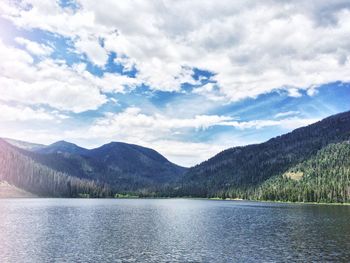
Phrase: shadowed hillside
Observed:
(123, 167)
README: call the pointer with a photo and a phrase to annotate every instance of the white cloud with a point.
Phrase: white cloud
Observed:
(209, 91)
(34, 47)
(312, 91)
(187, 153)
(133, 125)
(47, 82)
(94, 51)
(253, 47)
(288, 123)
(113, 82)
(53, 83)
(287, 114)
(127, 63)
(294, 92)
(8, 113)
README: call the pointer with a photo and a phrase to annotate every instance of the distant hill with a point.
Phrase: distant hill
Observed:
(123, 167)
(21, 171)
(61, 147)
(136, 161)
(239, 169)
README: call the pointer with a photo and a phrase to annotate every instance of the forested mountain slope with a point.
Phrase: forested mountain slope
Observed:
(245, 167)
(123, 167)
(324, 177)
(126, 167)
(123, 159)
(25, 173)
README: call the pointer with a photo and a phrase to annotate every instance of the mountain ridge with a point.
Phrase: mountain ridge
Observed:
(246, 166)
(124, 167)
(61, 146)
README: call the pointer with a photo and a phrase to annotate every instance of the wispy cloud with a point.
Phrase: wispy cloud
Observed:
(287, 114)
(34, 47)
(11, 113)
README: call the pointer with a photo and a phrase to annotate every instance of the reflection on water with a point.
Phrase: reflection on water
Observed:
(174, 230)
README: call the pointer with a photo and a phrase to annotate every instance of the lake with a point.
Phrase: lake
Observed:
(171, 230)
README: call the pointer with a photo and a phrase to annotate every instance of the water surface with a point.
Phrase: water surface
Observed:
(171, 230)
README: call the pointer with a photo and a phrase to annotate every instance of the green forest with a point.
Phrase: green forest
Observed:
(25, 173)
(324, 178)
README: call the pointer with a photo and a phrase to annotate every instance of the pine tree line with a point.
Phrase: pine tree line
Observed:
(324, 177)
(33, 177)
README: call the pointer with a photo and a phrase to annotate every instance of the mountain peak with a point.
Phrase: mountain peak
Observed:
(118, 149)
(63, 142)
(63, 147)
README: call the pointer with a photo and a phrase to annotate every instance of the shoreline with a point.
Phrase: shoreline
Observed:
(190, 198)
(281, 202)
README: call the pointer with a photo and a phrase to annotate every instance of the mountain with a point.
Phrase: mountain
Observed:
(61, 147)
(136, 161)
(238, 170)
(21, 171)
(123, 167)
(126, 167)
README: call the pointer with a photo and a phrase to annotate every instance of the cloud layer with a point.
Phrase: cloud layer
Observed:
(252, 47)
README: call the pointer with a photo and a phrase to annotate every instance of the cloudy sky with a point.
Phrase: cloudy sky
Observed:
(187, 78)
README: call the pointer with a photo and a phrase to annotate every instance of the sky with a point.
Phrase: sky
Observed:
(186, 78)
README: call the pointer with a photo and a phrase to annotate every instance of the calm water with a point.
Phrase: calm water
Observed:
(176, 230)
